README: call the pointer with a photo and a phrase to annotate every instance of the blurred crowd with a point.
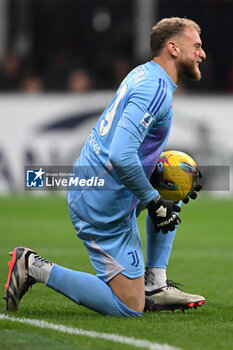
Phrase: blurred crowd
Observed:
(16, 76)
(90, 44)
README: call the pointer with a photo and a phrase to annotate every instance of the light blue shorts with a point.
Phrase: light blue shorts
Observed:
(113, 250)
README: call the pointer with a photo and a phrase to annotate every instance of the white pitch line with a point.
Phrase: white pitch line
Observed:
(138, 343)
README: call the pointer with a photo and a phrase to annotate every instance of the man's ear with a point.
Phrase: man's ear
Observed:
(173, 48)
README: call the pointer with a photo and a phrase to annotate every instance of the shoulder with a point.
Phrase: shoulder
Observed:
(153, 90)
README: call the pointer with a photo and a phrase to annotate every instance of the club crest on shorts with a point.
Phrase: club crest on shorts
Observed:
(135, 261)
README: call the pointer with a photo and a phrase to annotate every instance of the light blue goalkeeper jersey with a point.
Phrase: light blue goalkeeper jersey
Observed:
(123, 148)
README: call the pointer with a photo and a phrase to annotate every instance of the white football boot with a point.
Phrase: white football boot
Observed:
(168, 297)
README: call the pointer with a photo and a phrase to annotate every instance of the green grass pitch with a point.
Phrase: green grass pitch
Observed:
(202, 259)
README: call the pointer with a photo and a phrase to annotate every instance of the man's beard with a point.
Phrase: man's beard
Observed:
(186, 69)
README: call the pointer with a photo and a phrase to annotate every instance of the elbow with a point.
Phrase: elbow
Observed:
(119, 158)
(115, 158)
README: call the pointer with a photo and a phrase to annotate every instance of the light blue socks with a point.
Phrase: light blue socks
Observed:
(88, 290)
(159, 246)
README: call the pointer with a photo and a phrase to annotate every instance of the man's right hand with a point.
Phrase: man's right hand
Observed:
(162, 213)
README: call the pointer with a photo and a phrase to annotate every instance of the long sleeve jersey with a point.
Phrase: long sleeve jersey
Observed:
(124, 146)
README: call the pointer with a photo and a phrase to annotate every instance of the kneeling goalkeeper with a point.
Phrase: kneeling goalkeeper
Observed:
(124, 147)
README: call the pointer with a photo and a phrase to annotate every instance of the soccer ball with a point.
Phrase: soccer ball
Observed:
(177, 175)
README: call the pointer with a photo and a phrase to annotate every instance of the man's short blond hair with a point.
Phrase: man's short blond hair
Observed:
(166, 29)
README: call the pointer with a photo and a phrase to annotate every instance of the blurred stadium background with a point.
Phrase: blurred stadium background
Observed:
(61, 61)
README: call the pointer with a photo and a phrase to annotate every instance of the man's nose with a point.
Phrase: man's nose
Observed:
(202, 54)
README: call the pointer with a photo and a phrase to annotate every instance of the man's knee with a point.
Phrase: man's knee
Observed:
(135, 301)
(130, 291)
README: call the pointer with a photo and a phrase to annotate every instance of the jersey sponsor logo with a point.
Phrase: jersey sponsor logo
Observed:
(96, 148)
(35, 178)
(145, 122)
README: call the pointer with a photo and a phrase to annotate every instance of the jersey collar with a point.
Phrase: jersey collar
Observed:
(171, 83)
